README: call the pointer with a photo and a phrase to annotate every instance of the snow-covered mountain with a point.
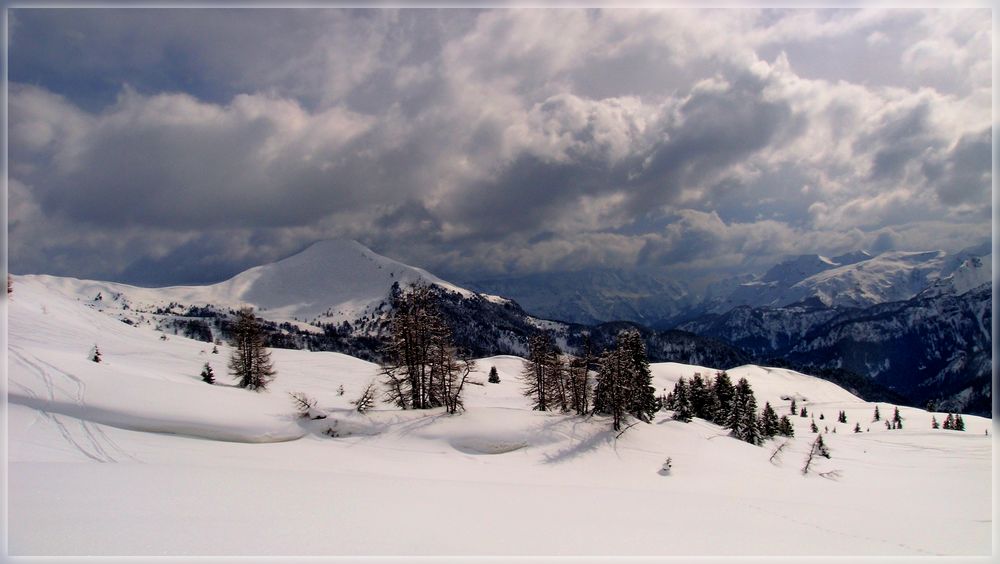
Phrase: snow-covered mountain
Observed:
(336, 296)
(855, 279)
(935, 346)
(136, 455)
(972, 273)
(333, 280)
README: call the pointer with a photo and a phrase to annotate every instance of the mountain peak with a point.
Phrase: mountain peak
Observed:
(336, 277)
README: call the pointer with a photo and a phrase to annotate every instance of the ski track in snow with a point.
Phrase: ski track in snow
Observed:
(92, 432)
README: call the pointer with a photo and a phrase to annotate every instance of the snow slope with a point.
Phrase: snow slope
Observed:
(972, 273)
(861, 280)
(136, 456)
(339, 279)
(889, 277)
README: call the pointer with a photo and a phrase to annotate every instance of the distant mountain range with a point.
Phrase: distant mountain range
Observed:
(335, 295)
(856, 279)
(916, 323)
(907, 326)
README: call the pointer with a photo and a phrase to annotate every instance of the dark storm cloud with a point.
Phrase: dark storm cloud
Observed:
(187, 144)
(719, 127)
(212, 54)
(196, 262)
(526, 195)
(963, 175)
(898, 141)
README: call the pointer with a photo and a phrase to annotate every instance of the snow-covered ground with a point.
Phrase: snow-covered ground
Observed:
(136, 456)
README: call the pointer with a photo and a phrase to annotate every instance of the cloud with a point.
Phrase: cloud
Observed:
(963, 173)
(187, 145)
(173, 161)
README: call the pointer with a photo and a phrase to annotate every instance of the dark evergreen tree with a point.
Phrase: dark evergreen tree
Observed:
(785, 427)
(743, 417)
(724, 391)
(934, 423)
(877, 417)
(821, 447)
(959, 424)
(711, 407)
(610, 395)
(668, 401)
(813, 427)
(842, 417)
(207, 375)
(642, 403)
(804, 412)
(494, 378)
(949, 422)
(698, 392)
(625, 382)
(250, 362)
(682, 401)
(794, 409)
(769, 424)
(95, 354)
(857, 427)
(896, 419)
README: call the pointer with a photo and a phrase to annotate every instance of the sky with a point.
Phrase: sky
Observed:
(173, 146)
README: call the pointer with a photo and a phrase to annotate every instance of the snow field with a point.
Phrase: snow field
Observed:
(136, 456)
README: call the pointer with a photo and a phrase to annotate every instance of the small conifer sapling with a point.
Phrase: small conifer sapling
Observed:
(949, 422)
(207, 375)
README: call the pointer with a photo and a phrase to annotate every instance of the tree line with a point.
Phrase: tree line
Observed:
(424, 369)
(731, 406)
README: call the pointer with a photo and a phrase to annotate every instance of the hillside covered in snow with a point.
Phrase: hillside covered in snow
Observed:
(135, 455)
(857, 280)
(337, 296)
